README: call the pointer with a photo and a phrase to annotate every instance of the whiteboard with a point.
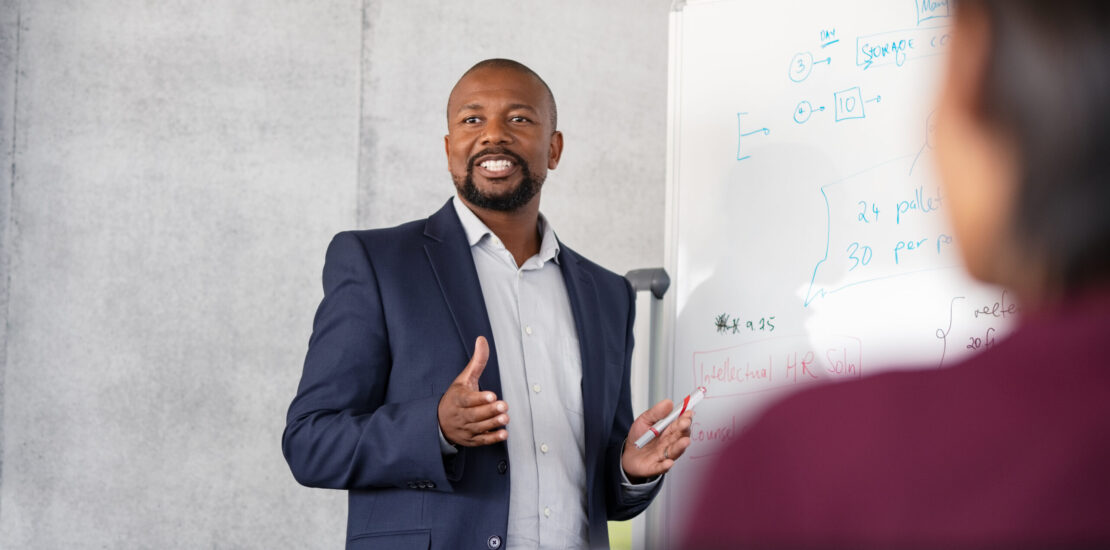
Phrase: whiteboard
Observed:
(806, 232)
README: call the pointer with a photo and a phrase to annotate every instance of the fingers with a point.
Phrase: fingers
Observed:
(473, 370)
(659, 456)
(676, 438)
(675, 449)
(488, 438)
(481, 413)
(657, 412)
(475, 426)
(471, 418)
(680, 427)
(489, 424)
(464, 398)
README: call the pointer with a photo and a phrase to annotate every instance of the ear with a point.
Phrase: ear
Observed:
(556, 150)
(447, 149)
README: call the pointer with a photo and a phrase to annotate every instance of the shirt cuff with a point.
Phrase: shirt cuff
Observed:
(638, 489)
(445, 446)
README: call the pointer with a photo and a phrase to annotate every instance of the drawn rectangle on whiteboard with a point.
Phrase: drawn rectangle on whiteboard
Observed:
(931, 9)
(849, 104)
(775, 363)
(899, 46)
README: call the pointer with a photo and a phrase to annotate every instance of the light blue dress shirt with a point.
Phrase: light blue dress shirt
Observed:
(541, 380)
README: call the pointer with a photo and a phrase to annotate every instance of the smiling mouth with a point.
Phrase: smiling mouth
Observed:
(496, 164)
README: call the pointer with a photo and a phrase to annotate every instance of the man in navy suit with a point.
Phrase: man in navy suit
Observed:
(433, 333)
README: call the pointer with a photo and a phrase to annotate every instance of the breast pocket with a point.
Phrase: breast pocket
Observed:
(568, 367)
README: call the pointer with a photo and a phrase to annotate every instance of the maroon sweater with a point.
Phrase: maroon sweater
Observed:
(1010, 448)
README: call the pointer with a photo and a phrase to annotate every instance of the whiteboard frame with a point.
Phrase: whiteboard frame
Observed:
(659, 528)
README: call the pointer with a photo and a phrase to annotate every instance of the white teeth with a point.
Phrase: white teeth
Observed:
(497, 165)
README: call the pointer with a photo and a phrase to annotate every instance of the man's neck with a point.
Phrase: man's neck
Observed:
(518, 230)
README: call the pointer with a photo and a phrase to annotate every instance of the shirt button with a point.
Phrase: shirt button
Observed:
(502, 467)
(519, 274)
(528, 330)
(494, 542)
(536, 388)
(543, 447)
(546, 512)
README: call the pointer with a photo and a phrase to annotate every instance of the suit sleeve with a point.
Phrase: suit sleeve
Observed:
(620, 504)
(340, 432)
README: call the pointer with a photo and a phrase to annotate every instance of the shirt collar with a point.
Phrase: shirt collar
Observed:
(476, 230)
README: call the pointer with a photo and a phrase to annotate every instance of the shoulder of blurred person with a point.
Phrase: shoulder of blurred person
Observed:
(1008, 447)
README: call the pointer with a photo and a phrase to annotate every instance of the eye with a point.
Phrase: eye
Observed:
(471, 120)
(519, 118)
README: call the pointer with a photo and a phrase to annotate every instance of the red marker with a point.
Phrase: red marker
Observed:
(657, 429)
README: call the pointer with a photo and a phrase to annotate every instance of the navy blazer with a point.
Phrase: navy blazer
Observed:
(401, 310)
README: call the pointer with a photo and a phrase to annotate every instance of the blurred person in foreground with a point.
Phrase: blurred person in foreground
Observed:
(1010, 448)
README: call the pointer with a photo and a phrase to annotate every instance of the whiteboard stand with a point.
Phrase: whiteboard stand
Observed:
(656, 281)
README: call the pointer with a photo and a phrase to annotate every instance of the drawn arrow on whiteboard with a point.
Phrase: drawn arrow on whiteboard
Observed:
(764, 131)
(825, 60)
(876, 99)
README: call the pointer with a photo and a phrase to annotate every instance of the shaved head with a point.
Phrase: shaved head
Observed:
(516, 66)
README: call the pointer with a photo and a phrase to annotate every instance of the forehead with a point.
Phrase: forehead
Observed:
(489, 86)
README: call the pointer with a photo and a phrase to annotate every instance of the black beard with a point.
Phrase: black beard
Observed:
(522, 195)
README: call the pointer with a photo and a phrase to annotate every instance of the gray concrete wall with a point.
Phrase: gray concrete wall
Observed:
(179, 168)
(9, 23)
(606, 63)
(176, 173)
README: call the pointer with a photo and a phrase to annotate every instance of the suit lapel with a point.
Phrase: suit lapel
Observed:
(584, 305)
(449, 254)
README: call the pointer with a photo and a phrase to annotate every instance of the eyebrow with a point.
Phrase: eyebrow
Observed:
(478, 107)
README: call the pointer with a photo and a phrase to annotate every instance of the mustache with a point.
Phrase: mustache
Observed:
(495, 151)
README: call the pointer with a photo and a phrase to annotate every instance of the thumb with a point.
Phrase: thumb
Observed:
(657, 412)
(473, 370)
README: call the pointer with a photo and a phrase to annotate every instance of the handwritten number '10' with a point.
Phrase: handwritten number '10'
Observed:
(864, 257)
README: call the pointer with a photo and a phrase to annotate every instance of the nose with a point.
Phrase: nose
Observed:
(496, 132)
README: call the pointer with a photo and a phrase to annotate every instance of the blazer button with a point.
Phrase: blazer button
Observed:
(412, 485)
(502, 467)
(430, 485)
(494, 542)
